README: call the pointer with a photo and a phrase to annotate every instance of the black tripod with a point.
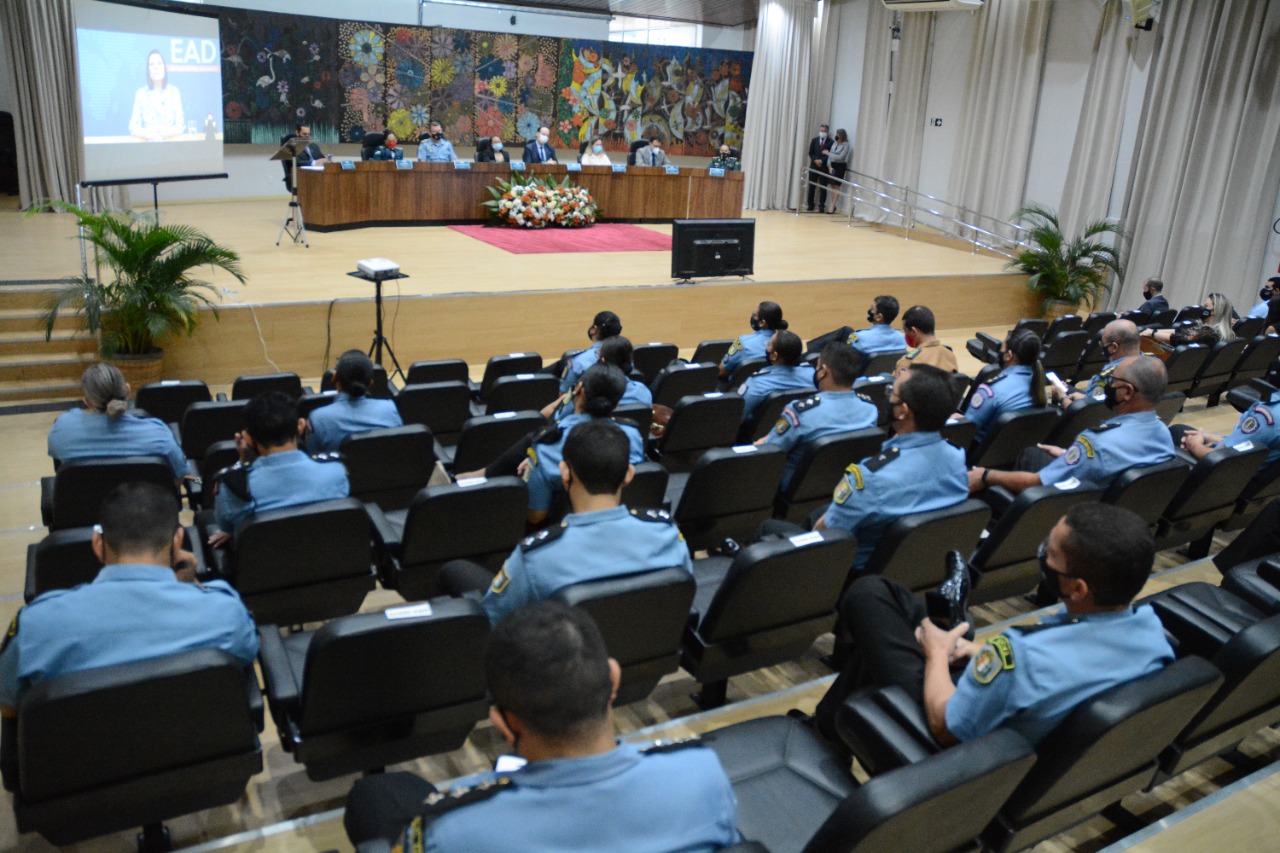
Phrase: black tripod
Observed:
(379, 339)
(294, 225)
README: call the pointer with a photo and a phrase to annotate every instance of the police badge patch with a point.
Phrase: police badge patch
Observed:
(1250, 425)
(1073, 454)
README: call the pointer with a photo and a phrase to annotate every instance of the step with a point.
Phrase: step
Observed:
(34, 343)
(14, 393)
(28, 320)
(28, 296)
(63, 367)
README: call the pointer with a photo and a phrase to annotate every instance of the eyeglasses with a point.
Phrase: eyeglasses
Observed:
(1042, 554)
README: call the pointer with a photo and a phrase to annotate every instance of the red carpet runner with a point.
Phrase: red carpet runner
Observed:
(601, 237)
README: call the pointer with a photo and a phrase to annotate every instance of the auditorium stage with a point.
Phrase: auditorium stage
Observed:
(466, 299)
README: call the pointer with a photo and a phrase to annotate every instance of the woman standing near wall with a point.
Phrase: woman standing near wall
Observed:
(838, 160)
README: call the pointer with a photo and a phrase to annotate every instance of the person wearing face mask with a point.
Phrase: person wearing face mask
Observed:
(272, 472)
(389, 149)
(605, 325)
(1120, 341)
(724, 159)
(819, 152)
(785, 372)
(834, 409)
(918, 326)
(765, 320)
(595, 155)
(652, 154)
(1019, 385)
(539, 150)
(1153, 292)
(1135, 436)
(493, 153)
(1271, 287)
(435, 148)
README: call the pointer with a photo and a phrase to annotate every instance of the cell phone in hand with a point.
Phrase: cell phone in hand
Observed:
(1058, 384)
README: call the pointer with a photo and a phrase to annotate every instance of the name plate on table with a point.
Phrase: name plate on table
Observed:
(348, 165)
(573, 167)
(517, 165)
(672, 170)
(461, 165)
(715, 173)
(619, 167)
(404, 164)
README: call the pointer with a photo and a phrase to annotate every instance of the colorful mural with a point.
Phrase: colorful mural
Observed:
(279, 69)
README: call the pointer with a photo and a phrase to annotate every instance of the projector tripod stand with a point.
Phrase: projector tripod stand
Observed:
(294, 225)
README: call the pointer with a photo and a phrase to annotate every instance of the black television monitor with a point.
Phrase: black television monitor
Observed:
(712, 247)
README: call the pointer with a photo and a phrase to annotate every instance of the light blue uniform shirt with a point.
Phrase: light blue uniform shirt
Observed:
(881, 337)
(775, 377)
(585, 546)
(1098, 456)
(82, 434)
(623, 801)
(1008, 392)
(127, 613)
(543, 475)
(916, 472)
(746, 348)
(1260, 310)
(436, 152)
(578, 365)
(348, 415)
(808, 420)
(1100, 379)
(1258, 425)
(290, 478)
(1031, 678)
(637, 394)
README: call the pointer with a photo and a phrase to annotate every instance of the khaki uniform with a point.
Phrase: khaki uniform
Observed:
(933, 353)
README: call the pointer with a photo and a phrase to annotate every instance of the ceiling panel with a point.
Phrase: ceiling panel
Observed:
(725, 13)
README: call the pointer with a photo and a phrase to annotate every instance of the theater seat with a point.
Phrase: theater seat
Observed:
(72, 497)
(248, 387)
(913, 549)
(729, 493)
(1183, 364)
(375, 689)
(648, 488)
(1085, 413)
(389, 466)
(960, 433)
(1146, 489)
(380, 388)
(698, 423)
(763, 606)
(1208, 496)
(65, 559)
(881, 363)
(784, 781)
(169, 398)
(482, 440)
(442, 407)
(713, 351)
(1062, 353)
(767, 414)
(641, 618)
(1062, 325)
(650, 358)
(438, 370)
(681, 379)
(638, 414)
(505, 365)
(1256, 582)
(743, 371)
(206, 423)
(1012, 433)
(818, 472)
(134, 745)
(519, 392)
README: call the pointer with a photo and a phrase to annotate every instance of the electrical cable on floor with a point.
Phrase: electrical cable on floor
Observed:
(226, 291)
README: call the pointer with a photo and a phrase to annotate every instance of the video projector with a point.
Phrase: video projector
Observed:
(378, 269)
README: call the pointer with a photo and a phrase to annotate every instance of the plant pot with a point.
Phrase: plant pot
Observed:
(141, 369)
(1057, 308)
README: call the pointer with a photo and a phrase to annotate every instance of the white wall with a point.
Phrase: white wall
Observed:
(851, 18)
(952, 47)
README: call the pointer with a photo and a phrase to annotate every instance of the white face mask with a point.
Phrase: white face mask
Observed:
(542, 138)
(822, 134)
(597, 148)
(497, 146)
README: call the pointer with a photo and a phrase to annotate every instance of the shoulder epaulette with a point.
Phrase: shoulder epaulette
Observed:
(652, 515)
(542, 537)
(626, 422)
(1035, 629)
(236, 479)
(993, 380)
(331, 456)
(548, 434)
(444, 802)
(864, 398)
(883, 459)
(807, 403)
(912, 353)
(1103, 427)
(660, 746)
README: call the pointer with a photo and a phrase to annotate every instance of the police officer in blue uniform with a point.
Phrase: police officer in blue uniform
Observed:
(600, 539)
(880, 336)
(104, 428)
(135, 609)
(1257, 426)
(605, 325)
(765, 320)
(1119, 341)
(617, 351)
(272, 472)
(836, 408)
(553, 684)
(1096, 559)
(1019, 385)
(916, 471)
(352, 410)
(1134, 437)
(595, 396)
(785, 372)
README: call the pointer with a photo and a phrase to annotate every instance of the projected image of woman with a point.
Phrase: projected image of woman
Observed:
(157, 107)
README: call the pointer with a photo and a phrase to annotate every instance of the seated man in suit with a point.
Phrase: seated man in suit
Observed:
(552, 683)
(652, 154)
(539, 150)
(601, 538)
(1096, 560)
(137, 608)
(389, 149)
(1153, 293)
(311, 155)
(272, 472)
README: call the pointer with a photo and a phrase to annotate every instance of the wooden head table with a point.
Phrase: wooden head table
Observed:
(378, 193)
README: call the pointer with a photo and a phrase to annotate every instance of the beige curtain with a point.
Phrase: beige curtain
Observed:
(1207, 169)
(890, 136)
(989, 167)
(776, 135)
(1091, 172)
(39, 46)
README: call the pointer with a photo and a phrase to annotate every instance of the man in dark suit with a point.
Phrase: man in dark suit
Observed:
(308, 156)
(539, 150)
(819, 149)
(1152, 291)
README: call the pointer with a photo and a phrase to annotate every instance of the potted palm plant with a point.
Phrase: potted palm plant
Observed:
(143, 288)
(1067, 273)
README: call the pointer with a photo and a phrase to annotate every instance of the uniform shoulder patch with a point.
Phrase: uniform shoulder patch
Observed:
(1264, 414)
(236, 480)
(912, 353)
(883, 459)
(735, 346)
(660, 746)
(543, 537)
(660, 515)
(548, 434)
(1250, 424)
(994, 658)
(807, 403)
(851, 482)
(11, 633)
(853, 337)
(446, 801)
(332, 456)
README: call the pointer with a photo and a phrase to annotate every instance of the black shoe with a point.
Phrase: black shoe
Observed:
(809, 208)
(952, 598)
(727, 548)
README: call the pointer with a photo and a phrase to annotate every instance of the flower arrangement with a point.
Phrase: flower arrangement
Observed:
(537, 202)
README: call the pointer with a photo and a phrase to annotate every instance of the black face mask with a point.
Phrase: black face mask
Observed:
(437, 136)
(755, 323)
(1265, 294)
(1147, 294)
(1049, 584)
(589, 328)
(816, 383)
(1109, 396)
(871, 316)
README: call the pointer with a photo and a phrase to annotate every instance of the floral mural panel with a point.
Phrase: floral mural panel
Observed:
(362, 50)
(453, 82)
(408, 72)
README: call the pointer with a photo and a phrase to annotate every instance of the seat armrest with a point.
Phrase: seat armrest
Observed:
(46, 500)
(989, 340)
(254, 694)
(386, 543)
(192, 542)
(283, 687)
(885, 729)
(998, 498)
(377, 845)
(29, 588)
(222, 397)
(9, 753)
